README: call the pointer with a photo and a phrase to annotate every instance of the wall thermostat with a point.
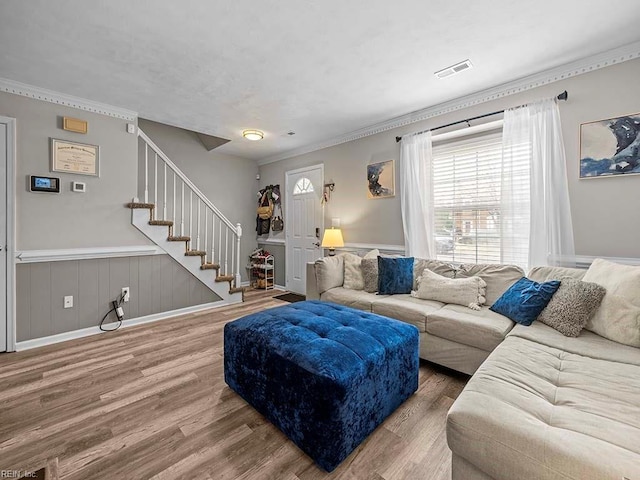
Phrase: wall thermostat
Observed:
(79, 187)
(44, 184)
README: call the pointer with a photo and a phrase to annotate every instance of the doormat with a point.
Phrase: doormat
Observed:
(291, 297)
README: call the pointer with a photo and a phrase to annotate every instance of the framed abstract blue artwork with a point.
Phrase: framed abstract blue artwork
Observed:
(610, 147)
(381, 180)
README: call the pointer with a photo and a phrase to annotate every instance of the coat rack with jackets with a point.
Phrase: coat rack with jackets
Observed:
(269, 212)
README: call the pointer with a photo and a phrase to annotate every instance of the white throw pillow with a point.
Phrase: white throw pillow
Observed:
(618, 317)
(353, 279)
(468, 292)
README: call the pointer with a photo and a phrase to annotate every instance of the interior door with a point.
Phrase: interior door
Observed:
(304, 224)
(3, 236)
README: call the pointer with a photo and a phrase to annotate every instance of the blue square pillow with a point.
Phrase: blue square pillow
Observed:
(525, 300)
(395, 275)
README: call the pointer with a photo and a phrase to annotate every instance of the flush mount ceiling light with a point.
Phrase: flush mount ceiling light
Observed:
(253, 135)
(453, 69)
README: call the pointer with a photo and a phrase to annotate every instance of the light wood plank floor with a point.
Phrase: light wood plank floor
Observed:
(151, 402)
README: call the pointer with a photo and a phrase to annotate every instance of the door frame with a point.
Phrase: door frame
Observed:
(11, 232)
(287, 214)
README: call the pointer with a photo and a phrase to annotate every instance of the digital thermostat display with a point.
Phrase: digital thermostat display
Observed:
(45, 184)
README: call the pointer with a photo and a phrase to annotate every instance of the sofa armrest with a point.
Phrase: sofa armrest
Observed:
(312, 282)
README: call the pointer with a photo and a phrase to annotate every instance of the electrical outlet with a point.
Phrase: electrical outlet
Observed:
(68, 301)
(126, 294)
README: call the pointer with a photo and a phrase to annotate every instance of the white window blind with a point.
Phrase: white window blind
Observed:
(469, 211)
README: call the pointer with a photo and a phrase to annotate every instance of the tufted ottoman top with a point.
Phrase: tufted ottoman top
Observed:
(326, 339)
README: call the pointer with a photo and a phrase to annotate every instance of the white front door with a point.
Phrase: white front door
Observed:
(4, 142)
(304, 223)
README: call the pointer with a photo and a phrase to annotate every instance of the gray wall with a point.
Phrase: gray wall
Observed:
(96, 218)
(158, 284)
(604, 210)
(228, 181)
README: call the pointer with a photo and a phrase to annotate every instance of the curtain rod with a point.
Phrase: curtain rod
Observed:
(563, 96)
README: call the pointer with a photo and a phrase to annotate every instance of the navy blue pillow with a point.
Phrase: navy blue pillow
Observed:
(395, 275)
(525, 300)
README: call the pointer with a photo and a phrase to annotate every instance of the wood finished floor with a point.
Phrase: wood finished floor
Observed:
(151, 402)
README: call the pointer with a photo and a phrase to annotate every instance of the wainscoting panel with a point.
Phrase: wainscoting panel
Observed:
(157, 283)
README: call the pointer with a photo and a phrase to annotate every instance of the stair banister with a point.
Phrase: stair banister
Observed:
(186, 180)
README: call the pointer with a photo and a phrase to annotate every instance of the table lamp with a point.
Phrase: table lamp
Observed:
(332, 239)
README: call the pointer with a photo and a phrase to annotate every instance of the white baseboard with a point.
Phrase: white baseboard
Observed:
(86, 332)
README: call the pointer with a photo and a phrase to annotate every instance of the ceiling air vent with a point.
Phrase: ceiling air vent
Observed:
(453, 69)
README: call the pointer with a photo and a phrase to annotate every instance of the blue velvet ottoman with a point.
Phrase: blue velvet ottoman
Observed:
(325, 374)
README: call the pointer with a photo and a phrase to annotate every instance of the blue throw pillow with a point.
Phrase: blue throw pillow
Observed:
(395, 275)
(525, 300)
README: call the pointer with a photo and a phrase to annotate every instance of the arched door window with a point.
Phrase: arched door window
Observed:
(303, 185)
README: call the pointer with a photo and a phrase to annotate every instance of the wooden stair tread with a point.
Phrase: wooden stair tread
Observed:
(209, 266)
(225, 278)
(166, 223)
(179, 239)
(195, 253)
(140, 205)
(236, 290)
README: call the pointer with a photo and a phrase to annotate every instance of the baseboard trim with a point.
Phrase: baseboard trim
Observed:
(86, 332)
(63, 254)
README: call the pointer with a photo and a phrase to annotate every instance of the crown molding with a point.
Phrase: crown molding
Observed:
(556, 74)
(18, 88)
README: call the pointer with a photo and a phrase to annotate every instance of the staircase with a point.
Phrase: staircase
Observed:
(182, 221)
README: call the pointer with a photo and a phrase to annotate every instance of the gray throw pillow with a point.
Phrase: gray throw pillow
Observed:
(572, 306)
(369, 267)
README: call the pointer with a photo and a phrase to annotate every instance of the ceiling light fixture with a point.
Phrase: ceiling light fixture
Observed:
(453, 69)
(253, 135)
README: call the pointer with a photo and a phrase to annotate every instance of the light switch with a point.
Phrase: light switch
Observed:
(131, 128)
(68, 301)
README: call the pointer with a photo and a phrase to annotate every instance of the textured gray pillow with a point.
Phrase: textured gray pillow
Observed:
(369, 267)
(572, 306)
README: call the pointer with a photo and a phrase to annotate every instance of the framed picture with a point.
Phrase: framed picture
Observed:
(610, 147)
(381, 180)
(74, 157)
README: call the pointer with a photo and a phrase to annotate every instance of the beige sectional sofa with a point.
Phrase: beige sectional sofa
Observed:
(450, 335)
(539, 405)
(549, 407)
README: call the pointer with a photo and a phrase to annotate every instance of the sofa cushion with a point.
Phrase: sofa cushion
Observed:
(498, 277)
(587, 343)
(572, 306)
(468, 292)
(436, 266)
(353, 278)
(618, 317)
(406, 308)
(535, 411)
(351, 298)
(395, 275)
(329, 273)
(545, 273)
(369, 268)
(483, 329)
(525, 300)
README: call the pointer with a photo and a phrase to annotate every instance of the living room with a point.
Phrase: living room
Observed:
(164, 100)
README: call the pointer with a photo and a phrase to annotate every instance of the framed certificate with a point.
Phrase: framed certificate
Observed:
(74, 157)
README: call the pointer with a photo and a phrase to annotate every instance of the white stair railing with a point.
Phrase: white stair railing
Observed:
(193, 219)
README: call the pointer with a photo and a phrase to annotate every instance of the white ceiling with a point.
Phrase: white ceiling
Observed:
(319, 68)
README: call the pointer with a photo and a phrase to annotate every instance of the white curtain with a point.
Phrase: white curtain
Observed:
(535, 130)
(416, 195)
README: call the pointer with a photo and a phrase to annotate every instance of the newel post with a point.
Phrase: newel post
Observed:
(238, 237)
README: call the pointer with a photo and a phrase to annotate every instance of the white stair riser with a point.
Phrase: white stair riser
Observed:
(158, 235)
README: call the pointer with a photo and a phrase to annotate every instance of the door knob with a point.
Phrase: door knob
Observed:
(317, 244)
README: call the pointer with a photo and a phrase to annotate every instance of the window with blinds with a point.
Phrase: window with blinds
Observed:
(468, 184)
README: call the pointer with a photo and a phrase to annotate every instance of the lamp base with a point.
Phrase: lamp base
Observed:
(332, 252)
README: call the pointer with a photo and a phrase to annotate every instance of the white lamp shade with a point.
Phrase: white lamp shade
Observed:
(332, 238)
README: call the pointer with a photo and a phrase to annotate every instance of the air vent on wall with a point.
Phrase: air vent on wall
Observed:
(453, 69)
